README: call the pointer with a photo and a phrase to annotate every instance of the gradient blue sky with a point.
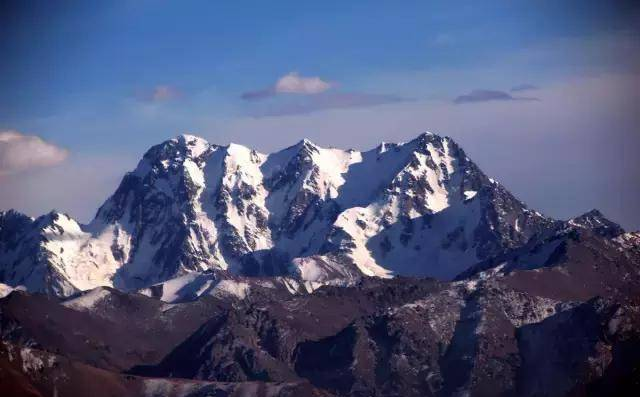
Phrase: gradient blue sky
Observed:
(106, 81)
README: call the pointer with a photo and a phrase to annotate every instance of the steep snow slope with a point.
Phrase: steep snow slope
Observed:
(423, 208)
(53, 254)
(311, 214)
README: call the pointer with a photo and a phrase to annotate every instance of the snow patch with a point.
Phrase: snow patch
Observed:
(194, 172)
(196, 146)
(34, 361)
(469, 194)
(87, 300)
(238, 289)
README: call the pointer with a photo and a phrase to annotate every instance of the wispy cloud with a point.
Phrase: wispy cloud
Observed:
(291, 83)
(326, 101)
(310, 94)
(523, 87)
(19, 152)
(489, 95)
(258, 94)
(159, 93)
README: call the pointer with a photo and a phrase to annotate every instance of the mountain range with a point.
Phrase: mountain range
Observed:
(311, 215)
(399, 271)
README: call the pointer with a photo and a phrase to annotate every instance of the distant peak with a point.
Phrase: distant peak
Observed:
(57, 219)
(54, 215)
(421, 140)
(593, 213)
(12, 213)
(430, 136)
(427, 138)
(597, 222)
(304, 146)
(306, 143)
(178, 148)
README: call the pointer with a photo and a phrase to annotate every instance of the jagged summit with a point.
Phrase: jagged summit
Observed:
(306, 213)
(196, 146)
(596, 221)
(305, 142)
(190, 139)
(179, 148)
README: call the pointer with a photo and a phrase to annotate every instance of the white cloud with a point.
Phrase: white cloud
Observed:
(290, 83)
(293, 83)
(19, 152)
(159, 93)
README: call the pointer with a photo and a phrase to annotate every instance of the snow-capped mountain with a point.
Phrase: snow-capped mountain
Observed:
(307, 214)
(214, 245)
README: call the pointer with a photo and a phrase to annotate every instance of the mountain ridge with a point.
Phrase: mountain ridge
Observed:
(309, 271)
(305, 214)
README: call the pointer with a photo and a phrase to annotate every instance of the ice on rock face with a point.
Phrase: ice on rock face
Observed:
(196, 146)
(469, 194)
(313, 214)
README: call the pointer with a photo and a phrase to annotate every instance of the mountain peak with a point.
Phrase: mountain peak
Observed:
(594, 213)
(306, 141)
(172, 153)
(597, 222)
(430, 137)
(195, 145)
(306, 144)
(315, 214)
(11, 213)
(59, 221)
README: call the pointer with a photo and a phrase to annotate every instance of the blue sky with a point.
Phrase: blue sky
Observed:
(103, 82)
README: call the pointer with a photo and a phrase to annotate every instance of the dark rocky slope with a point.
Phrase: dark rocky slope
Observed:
(563, 323)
